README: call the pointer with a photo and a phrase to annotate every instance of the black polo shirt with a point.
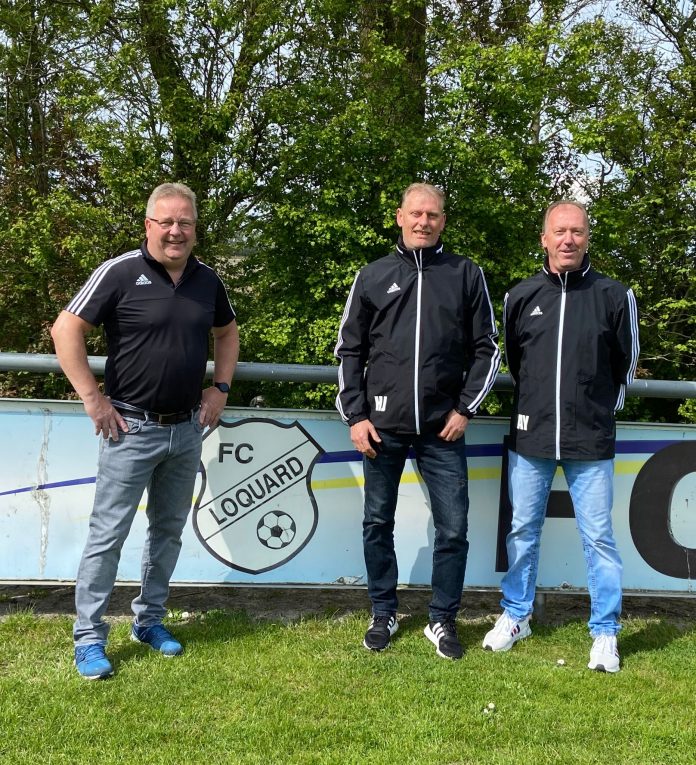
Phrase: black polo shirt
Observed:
(157, 333)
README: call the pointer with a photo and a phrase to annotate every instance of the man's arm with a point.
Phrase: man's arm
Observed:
(352, 350)
(513, 355)
(225, 356)
(625, 357)
(68, 335)
(484, 348)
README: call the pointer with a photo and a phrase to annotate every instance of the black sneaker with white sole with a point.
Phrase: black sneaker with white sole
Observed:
(378, 635)
(444, 636)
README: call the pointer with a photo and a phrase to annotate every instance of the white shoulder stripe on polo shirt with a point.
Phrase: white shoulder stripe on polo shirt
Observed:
(227, 295)
(78, 303)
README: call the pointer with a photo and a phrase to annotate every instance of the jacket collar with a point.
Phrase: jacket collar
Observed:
(569, 278)
(419, 258)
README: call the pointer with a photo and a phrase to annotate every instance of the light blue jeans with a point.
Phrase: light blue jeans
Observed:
(164, 459)
(591, 489)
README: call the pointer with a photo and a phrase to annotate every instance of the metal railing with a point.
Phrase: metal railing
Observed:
(43, 363)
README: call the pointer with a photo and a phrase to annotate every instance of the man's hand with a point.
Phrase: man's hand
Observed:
(360, 435)
(212, 404)
(106, 419)
(455, 425)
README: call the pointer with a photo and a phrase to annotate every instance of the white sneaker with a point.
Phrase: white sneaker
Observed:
(506, 633)
(604, 656)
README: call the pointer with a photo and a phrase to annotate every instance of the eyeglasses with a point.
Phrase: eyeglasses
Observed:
(167, 223)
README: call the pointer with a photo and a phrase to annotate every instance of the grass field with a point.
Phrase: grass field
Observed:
(308, 692)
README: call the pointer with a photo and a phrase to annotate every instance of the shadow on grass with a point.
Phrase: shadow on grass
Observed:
(214, 626)
(653, 636)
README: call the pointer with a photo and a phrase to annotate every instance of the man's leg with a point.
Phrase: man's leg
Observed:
(443, 467)
(591, 487)
(382, 476)
(124, 470)
(170, 496)
(529, 482)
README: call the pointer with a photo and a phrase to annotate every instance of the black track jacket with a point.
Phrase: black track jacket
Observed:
(417, 339)
(571, 342)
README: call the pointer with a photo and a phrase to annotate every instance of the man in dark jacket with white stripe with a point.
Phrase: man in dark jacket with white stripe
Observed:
(418, 352)
(571, 342)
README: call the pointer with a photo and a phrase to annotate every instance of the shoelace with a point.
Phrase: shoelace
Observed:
(91, 653)
(158, 633)
(605, 644)
(448, 628)
(507, 624)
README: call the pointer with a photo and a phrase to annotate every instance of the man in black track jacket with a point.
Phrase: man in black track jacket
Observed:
(418, 352)
(571, 342)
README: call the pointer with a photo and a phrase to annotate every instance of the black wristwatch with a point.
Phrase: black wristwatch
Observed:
(222, 387)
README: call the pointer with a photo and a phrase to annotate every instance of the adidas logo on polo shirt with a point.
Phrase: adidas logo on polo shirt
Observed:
(142, 279)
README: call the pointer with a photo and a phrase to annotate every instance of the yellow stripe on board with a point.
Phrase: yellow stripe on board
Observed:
(631, 467)
(621, 467)
(475, 474)
(624, 467)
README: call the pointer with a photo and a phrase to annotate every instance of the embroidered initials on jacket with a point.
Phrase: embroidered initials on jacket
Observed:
(522, 421)
(381, 403)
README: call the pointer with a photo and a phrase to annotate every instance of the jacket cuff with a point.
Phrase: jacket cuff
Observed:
(464, 412)
(356, 418)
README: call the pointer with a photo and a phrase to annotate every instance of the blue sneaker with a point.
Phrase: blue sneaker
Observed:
(158, 637)
(91, 661)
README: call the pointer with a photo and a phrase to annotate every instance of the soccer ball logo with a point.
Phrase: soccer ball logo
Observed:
(276, 530)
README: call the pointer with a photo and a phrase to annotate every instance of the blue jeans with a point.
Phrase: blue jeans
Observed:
(164, 459)
(591, 489)
(443, 467)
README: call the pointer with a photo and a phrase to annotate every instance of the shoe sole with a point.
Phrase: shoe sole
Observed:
(103, 676)
(428, 633)
(376, 650)
(521, 635)
(602, 668)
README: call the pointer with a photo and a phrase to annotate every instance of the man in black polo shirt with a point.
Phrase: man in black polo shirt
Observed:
(158, 306)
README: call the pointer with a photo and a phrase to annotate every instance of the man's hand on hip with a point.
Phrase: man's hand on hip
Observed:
(106, 419)
(212, 405)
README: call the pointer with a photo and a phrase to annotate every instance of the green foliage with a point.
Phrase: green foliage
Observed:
(298, 124)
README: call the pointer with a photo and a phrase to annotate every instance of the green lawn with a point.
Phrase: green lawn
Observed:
(308, 692)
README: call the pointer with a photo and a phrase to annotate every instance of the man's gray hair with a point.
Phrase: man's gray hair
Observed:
(560, 203)
(166, 190)
(424, 188)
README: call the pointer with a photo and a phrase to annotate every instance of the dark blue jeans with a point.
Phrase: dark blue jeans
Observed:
(442, 464)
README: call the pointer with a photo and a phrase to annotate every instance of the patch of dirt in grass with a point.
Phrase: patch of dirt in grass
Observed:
(293, 603)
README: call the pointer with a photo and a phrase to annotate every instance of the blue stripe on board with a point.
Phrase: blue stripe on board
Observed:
(475, 450)
(56, 485)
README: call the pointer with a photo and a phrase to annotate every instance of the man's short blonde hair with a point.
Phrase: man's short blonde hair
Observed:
(166, 190)
(424, 188)
(560, 203)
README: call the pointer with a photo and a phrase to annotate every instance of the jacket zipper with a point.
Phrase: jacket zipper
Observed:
(419, 265)
(559, 358)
